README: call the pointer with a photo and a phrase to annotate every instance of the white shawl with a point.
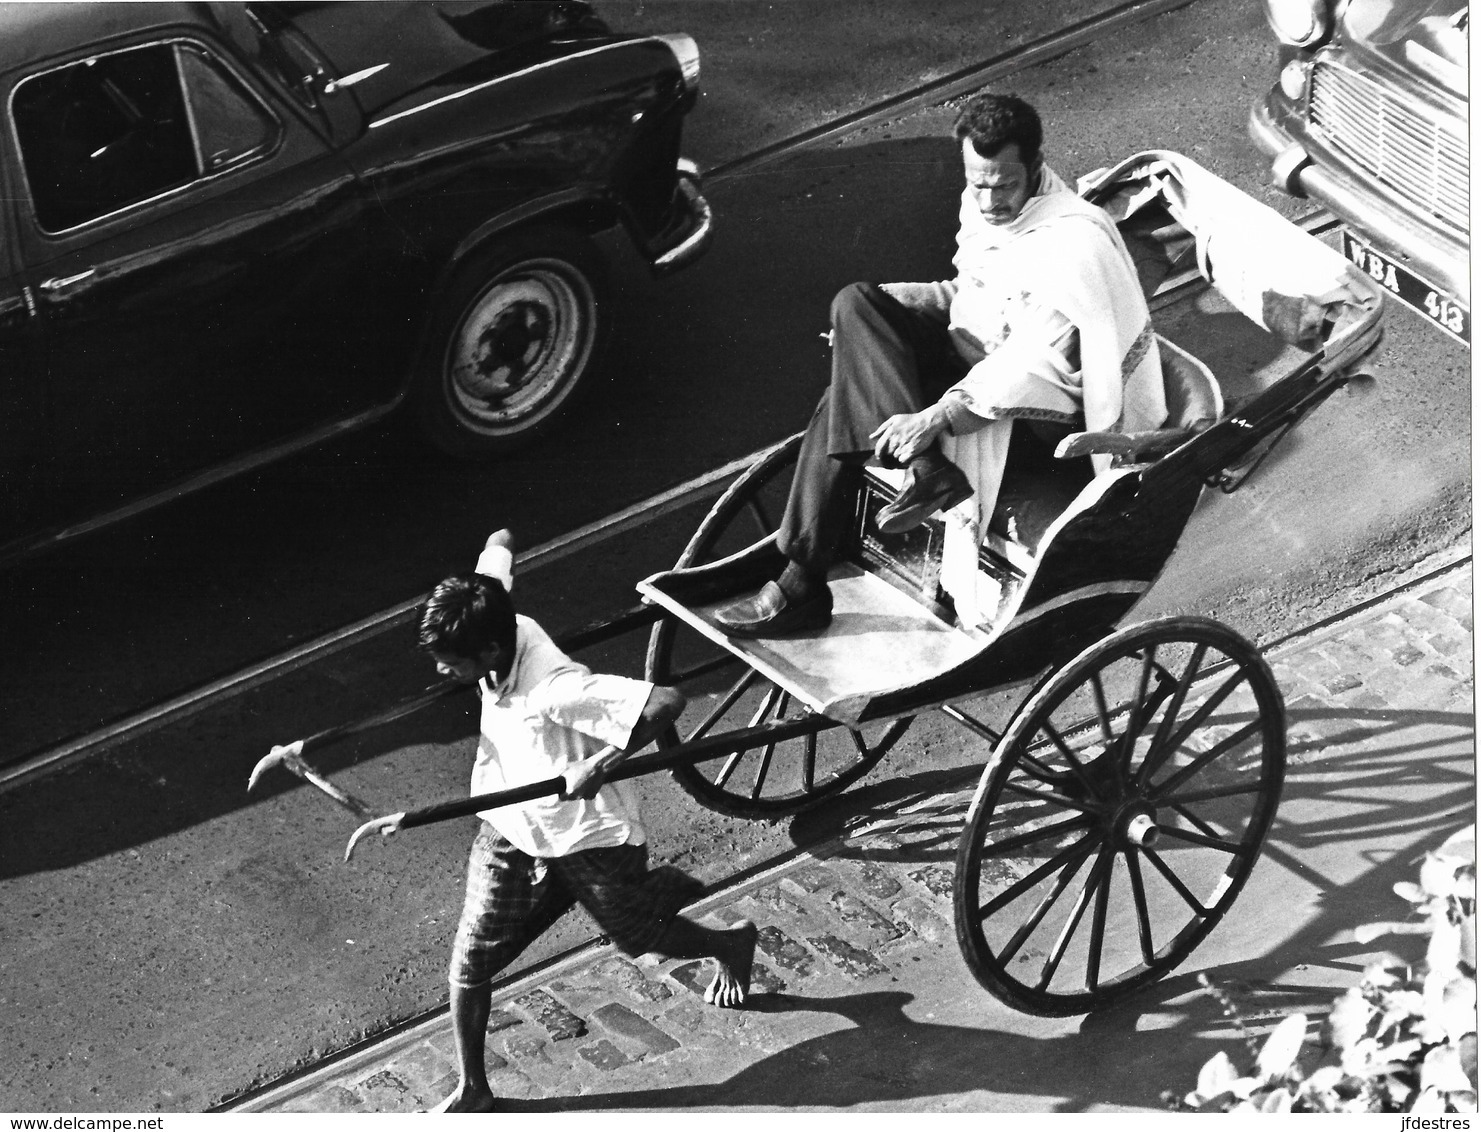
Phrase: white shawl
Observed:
(1060, 259)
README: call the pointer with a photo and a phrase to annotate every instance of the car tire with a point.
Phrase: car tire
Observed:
(515, 338)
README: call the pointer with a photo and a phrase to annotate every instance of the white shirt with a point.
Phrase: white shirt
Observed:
(548, 714)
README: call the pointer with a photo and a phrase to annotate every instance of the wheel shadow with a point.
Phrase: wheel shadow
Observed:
(1380, 779)
(1390, 787)
(875, 1054)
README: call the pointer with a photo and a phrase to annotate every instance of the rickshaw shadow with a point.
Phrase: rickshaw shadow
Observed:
(1392, 783)
(1305, 973)
(875, 1053)
(912, 818)
(919, 817)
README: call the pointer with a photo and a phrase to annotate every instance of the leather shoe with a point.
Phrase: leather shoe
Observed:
(771, 613)
(922, 496)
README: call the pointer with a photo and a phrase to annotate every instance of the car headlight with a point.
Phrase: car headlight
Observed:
(1299, 23)
(1293, 78)
(686, 51)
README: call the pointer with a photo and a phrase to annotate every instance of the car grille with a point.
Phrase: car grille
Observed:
(1414, 155)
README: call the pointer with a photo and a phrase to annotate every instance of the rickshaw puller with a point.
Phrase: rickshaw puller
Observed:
(543, 715)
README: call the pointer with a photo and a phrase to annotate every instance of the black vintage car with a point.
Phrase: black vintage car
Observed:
(228, 232)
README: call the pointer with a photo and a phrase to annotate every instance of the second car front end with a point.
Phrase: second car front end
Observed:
(1369, 118)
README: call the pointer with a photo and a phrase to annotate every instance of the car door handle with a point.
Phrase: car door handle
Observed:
(63, 284)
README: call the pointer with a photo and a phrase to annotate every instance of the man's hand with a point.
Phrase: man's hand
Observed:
(663, 706)
(584, 779)
(905, 436)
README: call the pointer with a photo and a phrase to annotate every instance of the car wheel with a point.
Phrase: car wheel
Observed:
(516, 336)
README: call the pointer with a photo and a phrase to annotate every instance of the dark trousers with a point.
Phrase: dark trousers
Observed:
(887, 359)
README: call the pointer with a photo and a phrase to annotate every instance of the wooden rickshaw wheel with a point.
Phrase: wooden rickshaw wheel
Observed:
(777, 779)
(1119, 816)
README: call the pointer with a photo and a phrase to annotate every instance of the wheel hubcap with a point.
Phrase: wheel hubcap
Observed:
(520, 347)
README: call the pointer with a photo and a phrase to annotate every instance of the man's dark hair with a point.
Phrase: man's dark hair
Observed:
(466, 616)
(992, 121)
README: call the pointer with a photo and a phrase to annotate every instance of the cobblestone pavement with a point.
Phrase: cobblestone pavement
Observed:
(863, 1001)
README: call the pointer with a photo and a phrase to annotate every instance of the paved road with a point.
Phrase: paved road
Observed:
(725, 358)
(169, 941)
(864, 1002)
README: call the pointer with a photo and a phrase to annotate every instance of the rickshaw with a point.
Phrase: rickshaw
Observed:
(1127, 796)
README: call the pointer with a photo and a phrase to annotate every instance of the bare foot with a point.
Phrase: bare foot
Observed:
(732, 981)
(467, 1100)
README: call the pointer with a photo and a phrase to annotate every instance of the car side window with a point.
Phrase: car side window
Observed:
(108, 132)
(229, 126)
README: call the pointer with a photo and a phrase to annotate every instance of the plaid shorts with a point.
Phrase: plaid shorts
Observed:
(512, 898)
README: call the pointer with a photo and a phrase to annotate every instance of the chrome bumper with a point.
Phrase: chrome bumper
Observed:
(1440, 261)
(698, 227)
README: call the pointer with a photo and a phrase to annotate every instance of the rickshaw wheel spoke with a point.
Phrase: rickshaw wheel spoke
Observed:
(1077, 913)
(1138, 713)
(731, 762)
(778, 712)
(1098, 925)
(1066, 878)
(1074, 855)
(1159, 789)
(699, 671)
(1160, 739)
(1230, 847)
(1193, 819)
(1080, 765)
(766, 753)
(1021, 840)
(1050, 796)
(1102, 712)
(1151, 766)
(1139, 896)
(768, 780)
(1173, 879)
(764, 525)
(1209, 795)
(1077, 768)
(737, 690)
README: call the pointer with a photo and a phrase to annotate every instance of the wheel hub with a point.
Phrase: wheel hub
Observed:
(1120, 804)
(519, 348)
(510, 348)
(1140, 829)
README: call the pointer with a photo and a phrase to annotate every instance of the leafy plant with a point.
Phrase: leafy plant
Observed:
(1402, 1040)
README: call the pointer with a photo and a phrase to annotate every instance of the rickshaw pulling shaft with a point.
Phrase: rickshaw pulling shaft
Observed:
(290, 757)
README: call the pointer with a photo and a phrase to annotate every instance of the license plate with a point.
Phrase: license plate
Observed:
(1448, 314)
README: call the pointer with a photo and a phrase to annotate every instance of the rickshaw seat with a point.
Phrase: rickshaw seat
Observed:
(1194, 403)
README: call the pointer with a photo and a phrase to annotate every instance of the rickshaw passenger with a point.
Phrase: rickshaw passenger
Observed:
(1044, 320)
